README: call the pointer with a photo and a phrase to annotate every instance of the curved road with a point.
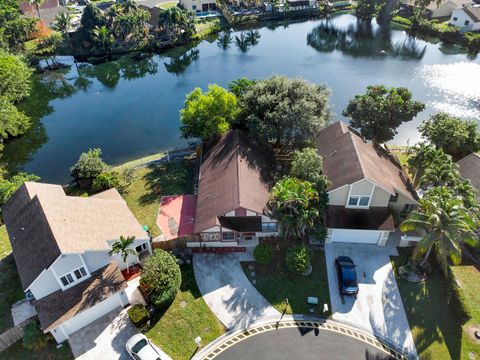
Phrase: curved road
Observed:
(304, 344)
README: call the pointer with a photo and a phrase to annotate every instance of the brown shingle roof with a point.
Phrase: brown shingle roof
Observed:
(347, 159)
(375, 218)
(61, 306)
(469, 168)
(234, 173)
(43, 222)
(473, 12)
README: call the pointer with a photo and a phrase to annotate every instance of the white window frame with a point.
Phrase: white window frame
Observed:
(73, 276)
(360, 196)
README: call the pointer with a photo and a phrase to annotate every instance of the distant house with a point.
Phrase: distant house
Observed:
(443, 9)
(61, 248)
(467, 18)
(154, 12)
(366, 187)
(198, 5)
(469, 168)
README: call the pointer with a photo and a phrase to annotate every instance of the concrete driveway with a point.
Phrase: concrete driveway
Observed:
(378, 307)
(104, 338)
(228, 292)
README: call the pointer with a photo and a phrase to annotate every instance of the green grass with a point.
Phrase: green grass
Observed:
(207, 26)
(18, 352)
(10, 287)
(152, 182)
(187, 317)
(168, 4)
(276, 284)
(436, 325)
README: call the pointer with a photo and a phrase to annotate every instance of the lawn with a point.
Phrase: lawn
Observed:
(10, 287)
(154, 181)
(276, 284)
(18, 352)
(436, 325)
(187, 317)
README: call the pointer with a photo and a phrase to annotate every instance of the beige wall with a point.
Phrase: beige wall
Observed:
(362, 187)
(380, 197)
(401, 202)
(338, 196)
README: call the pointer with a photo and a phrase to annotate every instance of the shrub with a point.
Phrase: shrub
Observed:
(88, 167)
(401, 20)
(263, 254)
(298, 259)
(139, 315)
(33, 337)
(161, 278)
(105, 181)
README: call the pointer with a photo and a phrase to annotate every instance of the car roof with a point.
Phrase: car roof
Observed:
(148, 353)
(134, 339)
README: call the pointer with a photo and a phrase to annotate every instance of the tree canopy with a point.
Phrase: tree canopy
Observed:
(293, 203)
(161, 278)
(88, 167)
(456, 137)
(380, 111)
(15, 29)
(14, 77)
(307, 165)
(365, 9)
(208, 115)
(240, 86)
(284, 113)
(10, 185)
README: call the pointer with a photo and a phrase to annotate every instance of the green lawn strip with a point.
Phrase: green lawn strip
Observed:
(10, 288)
(167, 5)
(276, 284)
(435, 324)
(152, 182)
(18, 352)
(187, 317)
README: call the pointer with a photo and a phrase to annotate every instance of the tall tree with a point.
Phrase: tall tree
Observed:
(15, 29)
(88, 166)
(208, 115)
(293, 203)
(15, 76)
(62, 23)
(284, 113)
(446, 225)
(456, 137)
(122, 247)
(92, 17)
(12, 121)
(101, 35)
(9, 185)
(365, 9)
(380, 111)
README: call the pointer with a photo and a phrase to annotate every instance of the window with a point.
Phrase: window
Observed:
(394, 198)
(66, 279)
(80, 272)
(356, 200)
(455, 18)
(194, 7)
(228, 236)
(467, 22)
(270, 227)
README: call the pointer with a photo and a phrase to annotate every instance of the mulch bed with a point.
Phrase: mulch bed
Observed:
(133, 272)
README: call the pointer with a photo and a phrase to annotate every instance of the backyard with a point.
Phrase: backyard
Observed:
(436, 324)
(277, 284)
(175, 329)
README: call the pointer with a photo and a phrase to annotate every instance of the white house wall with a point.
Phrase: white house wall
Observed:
(338, 196)
(362, 187)
(380, 197)
(461, 17)
(44, 284)
(96, 259)
(66, 263)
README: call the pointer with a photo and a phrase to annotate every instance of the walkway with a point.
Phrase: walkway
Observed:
(228, 292)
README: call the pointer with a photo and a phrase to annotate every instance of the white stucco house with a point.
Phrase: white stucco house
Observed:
(442, 9)
(366, 186)
(466, 18)
(61, 248)
(198, 5)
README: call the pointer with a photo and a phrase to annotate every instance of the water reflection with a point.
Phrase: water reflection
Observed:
(179, 64)
(247, 39)
(363, 39)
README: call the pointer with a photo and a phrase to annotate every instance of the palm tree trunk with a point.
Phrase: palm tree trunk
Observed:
(427, 255)
(38, 11)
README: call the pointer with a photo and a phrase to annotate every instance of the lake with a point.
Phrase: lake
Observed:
(129, 107)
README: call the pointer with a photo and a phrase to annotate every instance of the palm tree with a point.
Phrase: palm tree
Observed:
(37, 4)
(440, 171)
(62, 23)
(103, 36)
(446, 224)
(122, 247)
(129, 5)
(423, 155)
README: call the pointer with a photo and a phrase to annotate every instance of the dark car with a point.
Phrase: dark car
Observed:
(347, 276)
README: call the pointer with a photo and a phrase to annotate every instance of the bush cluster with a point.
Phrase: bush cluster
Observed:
(298, 259)
(139, 315)
(263, 254)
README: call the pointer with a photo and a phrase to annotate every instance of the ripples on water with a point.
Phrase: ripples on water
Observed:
(459, 83)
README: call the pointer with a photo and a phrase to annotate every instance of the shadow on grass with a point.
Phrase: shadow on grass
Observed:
(10, 291)
(173, 178)
(431, 314)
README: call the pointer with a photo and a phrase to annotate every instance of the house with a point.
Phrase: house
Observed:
(469, 168)
(154, 12)
(466, 18)
(198, 5)
(440, 10)
(61, 248)
(366, 187)
(233, 190)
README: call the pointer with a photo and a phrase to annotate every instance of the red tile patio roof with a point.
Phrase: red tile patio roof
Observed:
(176, 217)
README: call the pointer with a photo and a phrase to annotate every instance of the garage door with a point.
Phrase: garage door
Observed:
(356, 236)
(90, 315)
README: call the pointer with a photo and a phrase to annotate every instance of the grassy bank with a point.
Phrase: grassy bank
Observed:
(436, 326)
(276, 284)
(50, 352)
(188, 317)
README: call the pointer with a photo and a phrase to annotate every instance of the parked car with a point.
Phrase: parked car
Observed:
(347, 276)
(140, 348)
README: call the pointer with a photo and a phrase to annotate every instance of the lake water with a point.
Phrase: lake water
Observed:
(129, 108)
